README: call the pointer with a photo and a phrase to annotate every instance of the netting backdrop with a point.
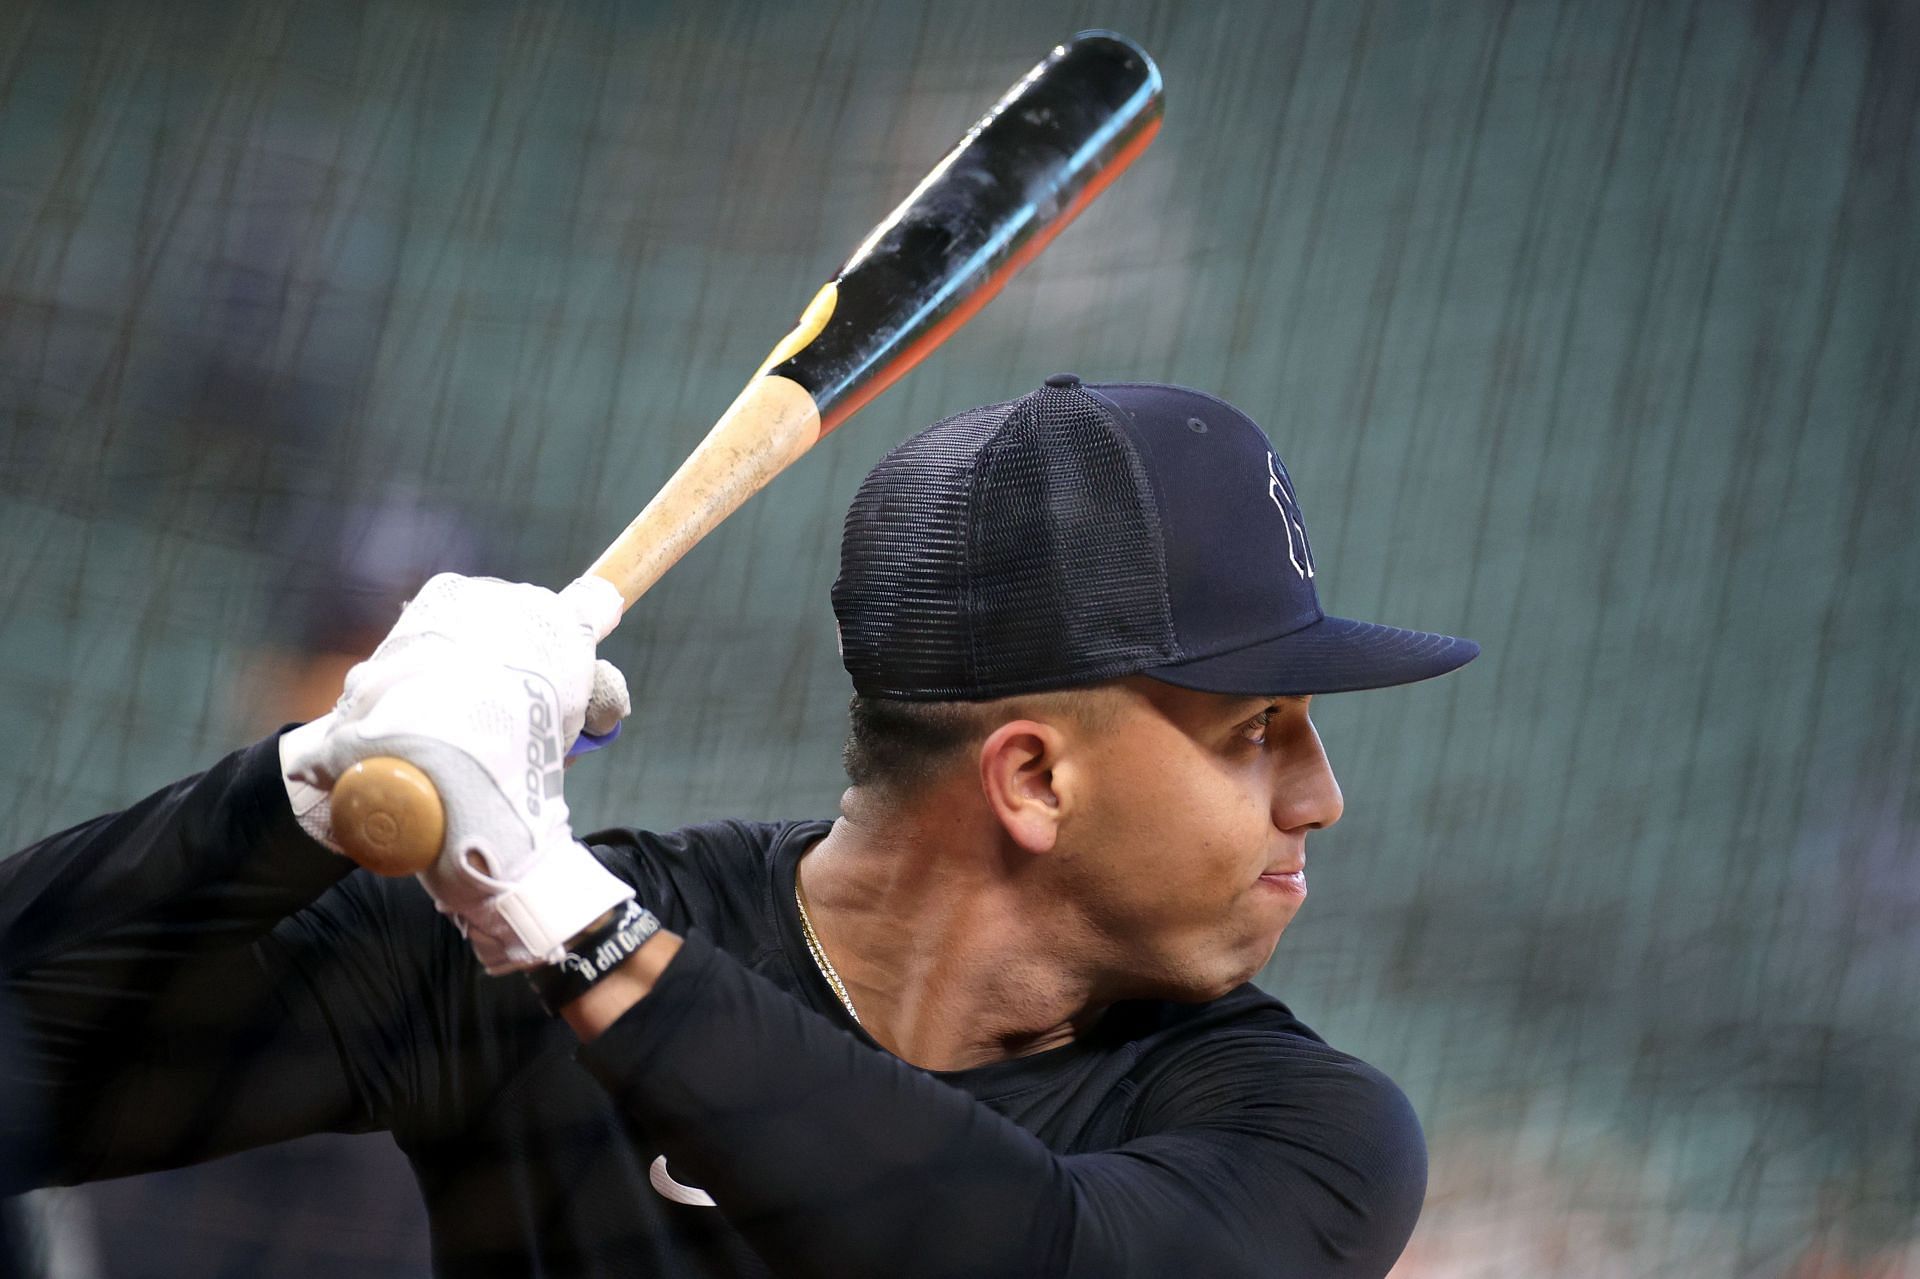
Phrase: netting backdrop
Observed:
(1587, 329)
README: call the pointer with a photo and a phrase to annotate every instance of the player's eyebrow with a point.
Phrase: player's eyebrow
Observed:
(1255, 703)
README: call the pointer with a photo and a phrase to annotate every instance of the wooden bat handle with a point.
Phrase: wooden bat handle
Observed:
(762, 432)
(386, 814)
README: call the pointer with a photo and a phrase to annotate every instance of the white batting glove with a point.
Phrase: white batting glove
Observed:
(483, 685)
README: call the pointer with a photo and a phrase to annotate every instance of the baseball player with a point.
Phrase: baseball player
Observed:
(995, 1019)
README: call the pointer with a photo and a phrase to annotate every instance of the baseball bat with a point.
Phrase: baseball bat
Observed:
(1041, 154)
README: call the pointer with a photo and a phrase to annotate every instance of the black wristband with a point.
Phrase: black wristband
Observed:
(592, 955)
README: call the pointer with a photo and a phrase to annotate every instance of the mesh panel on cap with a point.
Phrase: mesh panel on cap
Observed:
(903, 562)
(1069, 579)
(1009, 548)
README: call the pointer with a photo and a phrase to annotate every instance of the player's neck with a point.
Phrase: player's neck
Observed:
(944, 961)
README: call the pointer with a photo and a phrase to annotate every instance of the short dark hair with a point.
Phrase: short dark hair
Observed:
(897, 745)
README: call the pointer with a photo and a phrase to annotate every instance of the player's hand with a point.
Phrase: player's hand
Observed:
(483, 685)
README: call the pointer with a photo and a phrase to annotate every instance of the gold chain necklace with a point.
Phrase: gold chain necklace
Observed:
(819, 954)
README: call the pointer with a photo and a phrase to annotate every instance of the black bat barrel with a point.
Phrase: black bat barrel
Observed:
(1020, 173)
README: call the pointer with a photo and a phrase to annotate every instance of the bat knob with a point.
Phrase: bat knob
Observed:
(388, 817)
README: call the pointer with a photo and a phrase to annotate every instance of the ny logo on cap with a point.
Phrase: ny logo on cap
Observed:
(1280, 489)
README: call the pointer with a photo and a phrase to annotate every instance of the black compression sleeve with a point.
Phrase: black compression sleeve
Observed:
(163, 1022)
(835, 1159)
(208, 862)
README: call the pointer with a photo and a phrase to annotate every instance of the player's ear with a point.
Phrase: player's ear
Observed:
(1020, 778)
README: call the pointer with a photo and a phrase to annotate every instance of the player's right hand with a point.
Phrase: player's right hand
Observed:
(483, 685)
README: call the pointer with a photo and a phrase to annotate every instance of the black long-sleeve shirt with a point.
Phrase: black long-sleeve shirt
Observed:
(201, 977)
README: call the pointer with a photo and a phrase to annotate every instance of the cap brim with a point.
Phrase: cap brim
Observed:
(1332, 655)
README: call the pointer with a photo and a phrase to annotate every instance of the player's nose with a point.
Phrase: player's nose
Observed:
(1307, 794)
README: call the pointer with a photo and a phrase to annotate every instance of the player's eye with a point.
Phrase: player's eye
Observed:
(1255, 729)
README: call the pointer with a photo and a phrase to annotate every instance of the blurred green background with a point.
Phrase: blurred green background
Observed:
(1587, 329)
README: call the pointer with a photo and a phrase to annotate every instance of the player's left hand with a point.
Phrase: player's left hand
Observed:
(482, 685)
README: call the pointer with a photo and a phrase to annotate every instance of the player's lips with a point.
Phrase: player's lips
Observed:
(1287, 880)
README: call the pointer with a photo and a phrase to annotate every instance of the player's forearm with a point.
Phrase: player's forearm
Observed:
(108, 925)
(607, 1000)
(211, 861)
(824, 1151)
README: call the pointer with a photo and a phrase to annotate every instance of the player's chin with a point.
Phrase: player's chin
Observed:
(1246, 962)
(1261, 950)
(1209, 975)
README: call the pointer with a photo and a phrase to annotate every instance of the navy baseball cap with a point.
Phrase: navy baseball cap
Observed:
(1089, 531)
